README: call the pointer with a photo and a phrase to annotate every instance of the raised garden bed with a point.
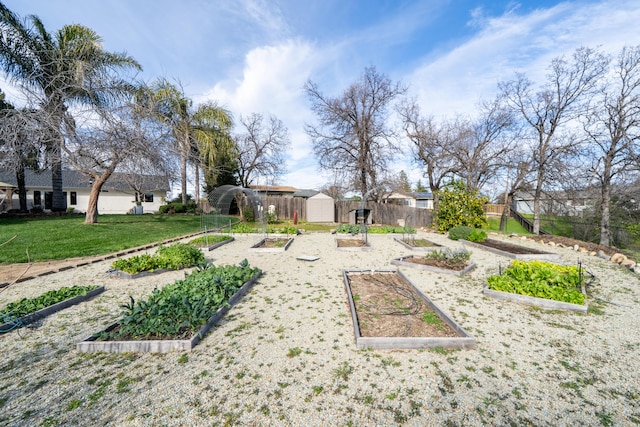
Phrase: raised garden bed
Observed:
(534, 301)
(47, 311)
(212, 241)
(513, 251)
(435, 265)
(541, 284)
(92, 344)
(389, 312)
(351, 245)
(272, 244)
(173, 257)
(418, 244)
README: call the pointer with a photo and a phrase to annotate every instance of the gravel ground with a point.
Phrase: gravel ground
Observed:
(286, 355)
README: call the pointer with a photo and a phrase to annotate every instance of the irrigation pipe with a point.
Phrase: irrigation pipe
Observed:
(2, 244)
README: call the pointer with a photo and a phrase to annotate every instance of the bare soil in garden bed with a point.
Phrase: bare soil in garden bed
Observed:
(351, 243)
(387, 306)
(273, 242)
(444, 264)
(420, 243)
(509, 247)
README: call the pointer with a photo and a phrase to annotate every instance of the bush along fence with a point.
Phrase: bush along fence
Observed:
(620, 237)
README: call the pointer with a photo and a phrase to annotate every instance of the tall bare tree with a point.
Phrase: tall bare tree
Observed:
(547, 111)
(483, 144)
(613, 130)
(429, 144)
(261, 147)
(352, 134)
(108, 139)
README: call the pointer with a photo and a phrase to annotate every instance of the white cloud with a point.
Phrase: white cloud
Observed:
(456, 81)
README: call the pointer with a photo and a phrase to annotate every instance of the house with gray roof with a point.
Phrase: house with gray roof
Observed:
(117, 196)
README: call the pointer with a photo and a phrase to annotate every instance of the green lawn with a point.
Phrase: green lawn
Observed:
(513, 226)
(41, 239)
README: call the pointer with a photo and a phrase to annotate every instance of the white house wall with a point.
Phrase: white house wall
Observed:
(109, 202)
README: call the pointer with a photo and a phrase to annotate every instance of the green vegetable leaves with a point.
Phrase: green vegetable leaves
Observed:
(30, 305)
(174, 257)
(179, 309)
(541, 279)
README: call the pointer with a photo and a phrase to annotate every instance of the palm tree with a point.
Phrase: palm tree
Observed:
(204, 131)
(60, 68)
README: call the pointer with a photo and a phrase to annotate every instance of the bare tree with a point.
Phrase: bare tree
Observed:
(547, 111)
(480, 150)
(21, 145)
(429, 145)
(613, 130)
(108, 139)
(352, 134)
(261, 149)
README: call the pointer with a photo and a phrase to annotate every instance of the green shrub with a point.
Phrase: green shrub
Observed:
(247, 213)
(163, 209)
(477, 236)
(178, 207)
(459, 206)
(460, 232)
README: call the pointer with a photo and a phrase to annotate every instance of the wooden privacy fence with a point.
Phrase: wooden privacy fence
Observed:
(381, 213)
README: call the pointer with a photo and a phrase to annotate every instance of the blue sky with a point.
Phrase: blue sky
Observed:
(255, 55)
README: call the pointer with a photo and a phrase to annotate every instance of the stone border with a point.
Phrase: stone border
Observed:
(402, 263)
(224, 242)
(535, 301)
(90, 345)
(546, 256)
(257, 248)
(47, 311)
(464, 341)
(436, 246)
(367, 246)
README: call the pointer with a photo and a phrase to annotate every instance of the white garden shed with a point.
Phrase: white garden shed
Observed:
(319, 206)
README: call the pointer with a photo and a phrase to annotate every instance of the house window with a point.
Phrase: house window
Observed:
(48, 199)
(73, 198)
(37, 198)
(423, 204)
(146, 197)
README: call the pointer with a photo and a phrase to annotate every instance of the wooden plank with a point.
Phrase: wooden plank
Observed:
(535, 301)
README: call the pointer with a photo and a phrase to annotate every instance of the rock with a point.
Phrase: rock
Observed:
(592, 253)
(618, 258)
(601, 254)
(576, 248)
(629, 263)
(523, 238)
(552, 243)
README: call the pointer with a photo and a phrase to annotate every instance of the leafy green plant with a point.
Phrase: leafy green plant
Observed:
(541, 279)
(173, 257)
(211, 239)
(477, 236)
(348, 229)
(460, 206)
(179, 309)
(248, 214)
(460, 232)
(458, 256)
(30, 305)
(387, 229)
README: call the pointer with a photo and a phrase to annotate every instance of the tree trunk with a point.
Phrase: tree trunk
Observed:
(184, 152)
(197, 183)
(536, 206)
(606, 213)
(91, 217)
(58, 202)
(504, 218)
(22, 190)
